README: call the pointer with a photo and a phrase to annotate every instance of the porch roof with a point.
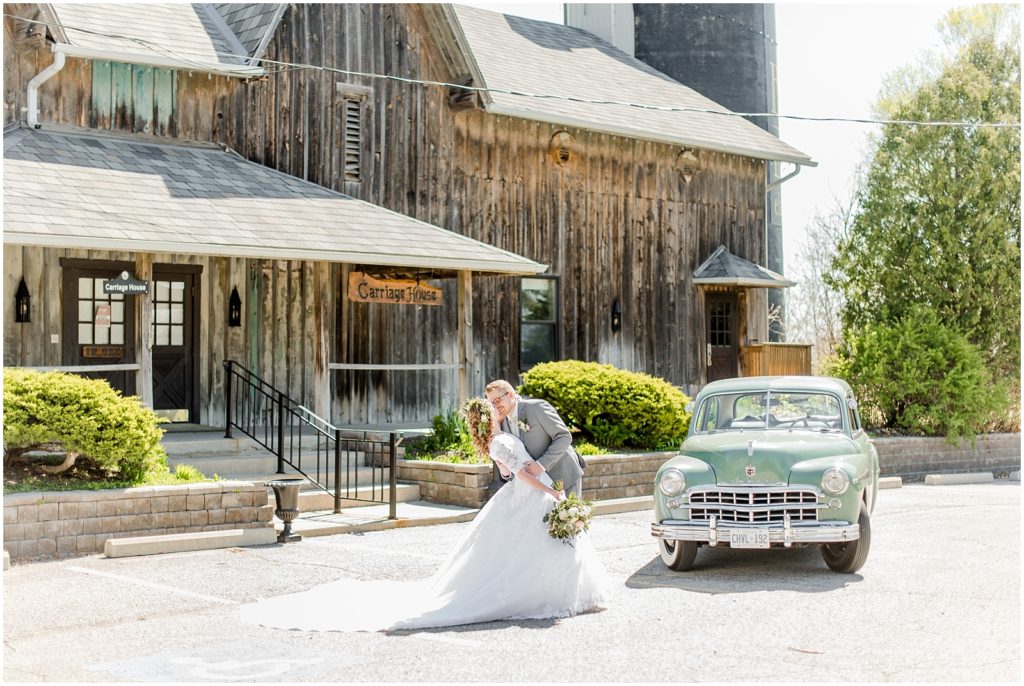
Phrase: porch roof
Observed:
(86, 190)
(725, 269)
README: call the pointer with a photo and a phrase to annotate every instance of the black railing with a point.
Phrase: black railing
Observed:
(350, 464)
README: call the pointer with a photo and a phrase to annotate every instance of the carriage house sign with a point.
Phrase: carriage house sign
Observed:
(364, 288)
(126, 285)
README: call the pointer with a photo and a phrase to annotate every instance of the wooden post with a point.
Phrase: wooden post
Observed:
(464, 331)
(144, 309)
(322, 336)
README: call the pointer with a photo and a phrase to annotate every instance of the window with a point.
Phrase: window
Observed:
(100, 315)
(353, 100)
(538, 307)
(169, 313)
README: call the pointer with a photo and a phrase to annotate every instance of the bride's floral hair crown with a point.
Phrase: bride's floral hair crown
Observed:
(482, 409)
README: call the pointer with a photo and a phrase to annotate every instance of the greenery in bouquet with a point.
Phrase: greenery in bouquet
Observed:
(569, 517)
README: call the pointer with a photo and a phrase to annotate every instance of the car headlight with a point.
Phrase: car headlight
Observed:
(835, 481)
(672, 482)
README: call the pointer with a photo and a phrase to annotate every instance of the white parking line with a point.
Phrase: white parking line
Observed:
(437, 638)
(150, 584)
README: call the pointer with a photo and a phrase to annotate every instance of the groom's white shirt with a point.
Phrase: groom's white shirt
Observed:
(513, 420)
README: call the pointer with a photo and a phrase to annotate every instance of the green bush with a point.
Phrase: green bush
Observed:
(85, 416)
(919, 376)
(611, 407)
(449, 442)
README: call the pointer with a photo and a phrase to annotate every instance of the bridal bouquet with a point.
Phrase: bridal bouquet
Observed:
(568, 518)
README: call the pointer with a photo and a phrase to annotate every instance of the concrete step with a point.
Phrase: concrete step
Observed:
(312, 498)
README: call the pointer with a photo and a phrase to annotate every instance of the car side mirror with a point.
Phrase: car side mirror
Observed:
(689, 407)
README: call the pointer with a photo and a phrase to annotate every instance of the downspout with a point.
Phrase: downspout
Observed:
(32, 95)
(778, 182)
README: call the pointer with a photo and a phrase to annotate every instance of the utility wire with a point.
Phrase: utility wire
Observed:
(299, 66)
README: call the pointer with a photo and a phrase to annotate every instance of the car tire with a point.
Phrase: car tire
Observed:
(847, 558)
(678, 555)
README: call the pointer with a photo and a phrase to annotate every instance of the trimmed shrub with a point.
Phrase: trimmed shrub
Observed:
(612, 407)
(85, 417)
(919, 376)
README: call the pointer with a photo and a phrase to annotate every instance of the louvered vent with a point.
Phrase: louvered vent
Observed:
(353, 139)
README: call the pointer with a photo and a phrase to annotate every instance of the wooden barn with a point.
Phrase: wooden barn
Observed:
(376, 208)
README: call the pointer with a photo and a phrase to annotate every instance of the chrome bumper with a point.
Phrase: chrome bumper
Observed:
(787, 533)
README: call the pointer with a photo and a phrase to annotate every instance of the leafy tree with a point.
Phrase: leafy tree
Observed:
(938, 223)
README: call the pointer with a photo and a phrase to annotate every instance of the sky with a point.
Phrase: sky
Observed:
(832, 61)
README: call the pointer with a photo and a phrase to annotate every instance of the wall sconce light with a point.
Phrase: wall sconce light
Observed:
(234, 308)
(616, 316)
(22, 304)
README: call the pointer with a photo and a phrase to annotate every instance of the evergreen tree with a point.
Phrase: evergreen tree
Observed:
(938, 223)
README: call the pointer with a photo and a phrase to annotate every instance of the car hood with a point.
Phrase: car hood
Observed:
(772, 454)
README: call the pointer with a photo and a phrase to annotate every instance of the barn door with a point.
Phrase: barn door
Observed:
(174, 300)
(722, 335)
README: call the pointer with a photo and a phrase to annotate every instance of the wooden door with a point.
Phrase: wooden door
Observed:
(98, 328)
(722, 335)
(174, 297)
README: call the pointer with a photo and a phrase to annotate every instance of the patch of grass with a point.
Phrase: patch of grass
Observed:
(21, 478)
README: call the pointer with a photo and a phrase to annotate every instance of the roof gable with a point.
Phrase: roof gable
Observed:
(725, 269)
(593, 79)
(252, 23)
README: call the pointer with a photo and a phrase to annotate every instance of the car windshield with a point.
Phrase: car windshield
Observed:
(761, 410)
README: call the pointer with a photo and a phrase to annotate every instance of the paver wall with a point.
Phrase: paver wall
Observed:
(43, 525)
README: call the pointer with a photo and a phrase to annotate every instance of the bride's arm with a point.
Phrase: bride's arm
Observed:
(524, 474)
(533, 481)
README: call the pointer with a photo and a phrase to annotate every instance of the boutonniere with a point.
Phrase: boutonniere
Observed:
(523, 426)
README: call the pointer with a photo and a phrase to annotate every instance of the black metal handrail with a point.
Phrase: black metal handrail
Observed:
(349, 461)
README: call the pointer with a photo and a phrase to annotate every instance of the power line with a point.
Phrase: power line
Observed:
(299, 66)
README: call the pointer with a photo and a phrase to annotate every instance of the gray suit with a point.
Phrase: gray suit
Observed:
(549, 442)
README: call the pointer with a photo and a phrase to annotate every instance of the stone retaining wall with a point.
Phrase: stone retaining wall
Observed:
(913, 457)
(42, 525)
(607, 477)
(446, 483)
(628, 475)
(622, 476)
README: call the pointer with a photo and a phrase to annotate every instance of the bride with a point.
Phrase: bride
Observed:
(505, 567)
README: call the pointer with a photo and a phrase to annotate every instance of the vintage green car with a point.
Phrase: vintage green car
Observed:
(770, 461)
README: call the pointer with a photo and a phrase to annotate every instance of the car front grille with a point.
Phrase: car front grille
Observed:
(754, 505)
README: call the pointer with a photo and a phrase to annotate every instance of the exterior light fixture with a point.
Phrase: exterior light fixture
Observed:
(234, 309)
(22, 304)
(616, 316)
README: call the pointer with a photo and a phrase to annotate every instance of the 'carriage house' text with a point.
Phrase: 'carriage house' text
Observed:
(368, 289)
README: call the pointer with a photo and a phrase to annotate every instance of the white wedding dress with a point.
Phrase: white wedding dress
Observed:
(506, 567)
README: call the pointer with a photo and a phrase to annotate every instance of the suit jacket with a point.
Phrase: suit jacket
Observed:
(549, 442)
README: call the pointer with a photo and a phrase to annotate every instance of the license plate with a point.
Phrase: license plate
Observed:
(754, 538)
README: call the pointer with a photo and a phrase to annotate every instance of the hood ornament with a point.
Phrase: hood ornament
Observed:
(750, 471)
(750, 448)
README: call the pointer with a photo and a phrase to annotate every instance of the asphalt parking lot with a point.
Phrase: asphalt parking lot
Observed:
(938, 600)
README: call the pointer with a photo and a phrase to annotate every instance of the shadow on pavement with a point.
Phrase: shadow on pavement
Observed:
(723, 570)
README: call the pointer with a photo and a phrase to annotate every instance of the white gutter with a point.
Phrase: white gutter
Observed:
(154, 60)
(32, 94)
(496, 108)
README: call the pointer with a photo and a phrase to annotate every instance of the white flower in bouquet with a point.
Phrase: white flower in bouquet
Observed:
(568, 518)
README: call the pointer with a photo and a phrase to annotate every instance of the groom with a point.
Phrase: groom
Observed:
(541, 430)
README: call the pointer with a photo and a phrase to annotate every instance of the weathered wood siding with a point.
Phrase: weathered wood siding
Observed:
(616, 220)
(275, 338)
